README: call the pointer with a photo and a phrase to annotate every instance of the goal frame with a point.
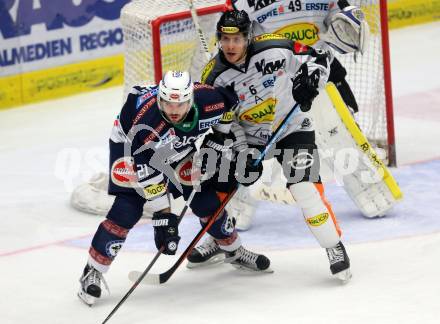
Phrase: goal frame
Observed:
(389, 109)
(155, 30)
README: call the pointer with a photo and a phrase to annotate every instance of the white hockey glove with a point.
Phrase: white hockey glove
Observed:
(348, 31)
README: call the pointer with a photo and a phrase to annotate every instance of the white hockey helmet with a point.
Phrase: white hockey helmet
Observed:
(176, 86)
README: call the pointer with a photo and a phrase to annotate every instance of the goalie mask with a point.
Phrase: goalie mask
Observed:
(175, 96)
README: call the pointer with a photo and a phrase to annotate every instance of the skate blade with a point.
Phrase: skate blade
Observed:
(251, 270)
(219, 258)
(344, 276)
(87, 299)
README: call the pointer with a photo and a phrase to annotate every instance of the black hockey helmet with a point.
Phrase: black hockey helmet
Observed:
(235, 21)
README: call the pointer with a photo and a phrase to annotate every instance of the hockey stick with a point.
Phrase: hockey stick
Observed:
(202, 38)
(165, 276)
(159, 252)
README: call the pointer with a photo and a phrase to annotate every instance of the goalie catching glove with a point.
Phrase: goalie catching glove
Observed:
(166, 232)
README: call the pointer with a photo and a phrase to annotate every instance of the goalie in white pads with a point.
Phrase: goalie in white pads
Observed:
(271, 74)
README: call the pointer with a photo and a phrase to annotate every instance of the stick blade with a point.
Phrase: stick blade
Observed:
(149, 279)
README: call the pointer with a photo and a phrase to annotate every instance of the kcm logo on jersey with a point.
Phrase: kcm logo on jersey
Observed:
(305, 33)
(263, 112)
(260, 4)
(270, 67)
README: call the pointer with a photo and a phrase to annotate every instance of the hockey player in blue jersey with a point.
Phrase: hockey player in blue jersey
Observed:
(151, 149)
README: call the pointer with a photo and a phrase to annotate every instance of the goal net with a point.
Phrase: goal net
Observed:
(160, 35)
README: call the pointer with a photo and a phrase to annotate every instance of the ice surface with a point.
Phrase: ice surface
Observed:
(49, 147)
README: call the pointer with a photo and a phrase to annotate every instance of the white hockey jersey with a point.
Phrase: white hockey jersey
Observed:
(298, 20)
(264, 84)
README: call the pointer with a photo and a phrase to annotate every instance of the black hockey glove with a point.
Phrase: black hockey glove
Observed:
(218, 145)
(250, 167)
(166, 232)
(305, 87)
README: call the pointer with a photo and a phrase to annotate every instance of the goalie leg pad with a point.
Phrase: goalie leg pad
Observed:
(317, 212)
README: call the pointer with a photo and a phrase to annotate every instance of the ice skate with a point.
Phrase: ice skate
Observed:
(90, 289)
(339, 262)
(246, 260)
(207, 253)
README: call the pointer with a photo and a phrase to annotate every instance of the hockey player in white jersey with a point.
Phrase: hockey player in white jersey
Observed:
(327, 25)
(270, 74)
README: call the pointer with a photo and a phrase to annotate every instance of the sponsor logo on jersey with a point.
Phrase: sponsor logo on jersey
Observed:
(143, 110)
(227, 117)
(265, 37)
(207, 70)
(154, 190)
(318, 220)
(168, 137)
(263, 112)
(269, 82)
(198, 86)
(306, 33)
(271, 13)
(214, 107)
(122, 172)
(317, 6)
(263, 133)
(188, 140)
(301, 161)
(113, 247)
(206, 123)
(270, 67)
(144, 97)
(157, 130)
(185, 172)
(260, 4)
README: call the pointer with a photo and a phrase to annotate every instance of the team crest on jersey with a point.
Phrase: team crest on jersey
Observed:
(270, 67)
(306, 33)
(263, 112)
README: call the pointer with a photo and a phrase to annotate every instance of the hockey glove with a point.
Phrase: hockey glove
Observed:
(249, 168)
(305, 87)
(215, 145)
(166, 232)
